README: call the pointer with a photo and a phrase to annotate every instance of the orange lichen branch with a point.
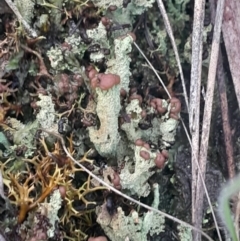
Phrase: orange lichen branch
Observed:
(44, 145)
(22, 191)
(85, 159)
(54, 180)
(21, 194)
(85, 189)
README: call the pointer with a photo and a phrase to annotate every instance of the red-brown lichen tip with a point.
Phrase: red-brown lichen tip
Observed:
(139, 142)
(105, 21)
(107, 81)
(145, 155)
(116, 179)
(160, 160)
(165, 153)
(94, 82)
(156, 103)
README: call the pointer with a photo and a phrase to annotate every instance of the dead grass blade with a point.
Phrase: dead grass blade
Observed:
(231, 33)
(194, 104)
(170, 33)
(208, 114)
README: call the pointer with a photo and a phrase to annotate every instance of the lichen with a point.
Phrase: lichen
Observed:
(66, 58)
(120, 64)
(167, 128)
(46, 114)
(55, 56)
(5, 145)
(26, 8)
(163, 129)
(97, 57)
(119, 4)
(106, 138)
(81, 44)
(107, 3)
(179, 20)
(52, 211)
(23, 135)
(131, 128)
(99, 35)
(184, 233)
(132, 227)
(108, 106)
(144, 3)
(135, 181)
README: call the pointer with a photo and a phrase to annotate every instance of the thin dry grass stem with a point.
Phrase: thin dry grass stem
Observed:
(31, 31)
(195, 160)
(170, 33)
(225, 117)
(194, 104)
(208, 114)
(227, 133)
(122, 194)
(224, 104)
(154, 70)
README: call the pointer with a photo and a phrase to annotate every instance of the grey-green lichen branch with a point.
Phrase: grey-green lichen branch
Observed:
(108, 106)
